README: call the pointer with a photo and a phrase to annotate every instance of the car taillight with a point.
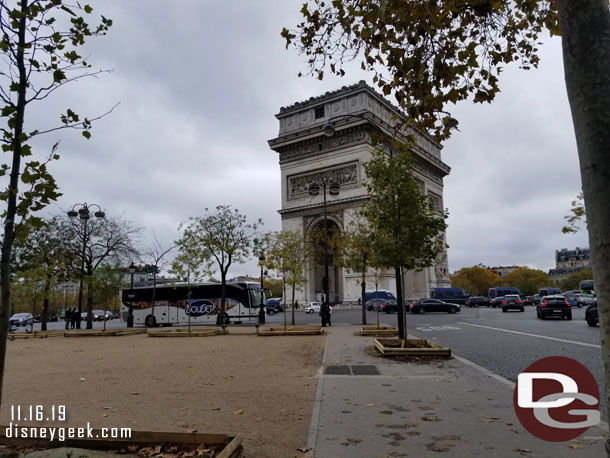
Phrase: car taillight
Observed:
(543, 304)
(568, 304)
(504, 302)
(518, 301)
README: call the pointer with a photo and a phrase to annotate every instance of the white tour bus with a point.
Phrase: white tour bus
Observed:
(174, 304)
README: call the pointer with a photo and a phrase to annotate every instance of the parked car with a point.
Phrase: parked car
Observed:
(496, 301)
(477, 301)
(555, 305)
(512, 301)
(433, 305)
(591, 315)
(388, 306)
(313, 307)
(22, 319)
(373, 304)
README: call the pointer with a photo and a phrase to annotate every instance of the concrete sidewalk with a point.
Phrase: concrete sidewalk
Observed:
(372, 407)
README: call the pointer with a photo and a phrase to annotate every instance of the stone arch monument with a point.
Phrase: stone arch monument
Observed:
(310, 152)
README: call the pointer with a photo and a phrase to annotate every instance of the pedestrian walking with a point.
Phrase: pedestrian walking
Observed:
(67, 317)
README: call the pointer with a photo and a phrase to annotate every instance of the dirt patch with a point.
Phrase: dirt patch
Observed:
(234, 384)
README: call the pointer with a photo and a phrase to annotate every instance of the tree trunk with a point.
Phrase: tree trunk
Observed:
(13, 188)
(223, 296)
(45, 305)
(585, 27)
(89, 297)
(363, 294)
(293, 288)
(402, 332)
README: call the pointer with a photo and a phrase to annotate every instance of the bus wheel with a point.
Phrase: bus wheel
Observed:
(150, 321)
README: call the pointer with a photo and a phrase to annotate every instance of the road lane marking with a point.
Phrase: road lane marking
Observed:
(437, 328)
(532, 335)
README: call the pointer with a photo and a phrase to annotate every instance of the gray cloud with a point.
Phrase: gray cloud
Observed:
(199, 85)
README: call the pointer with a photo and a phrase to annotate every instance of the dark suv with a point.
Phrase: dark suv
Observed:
(554, 306)
(477, 301)
(591, 314)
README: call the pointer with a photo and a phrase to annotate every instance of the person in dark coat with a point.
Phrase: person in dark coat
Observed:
(75, 315)
(325, 314)
(67, 317)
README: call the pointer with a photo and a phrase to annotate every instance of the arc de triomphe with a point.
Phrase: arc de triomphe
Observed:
(307, 155)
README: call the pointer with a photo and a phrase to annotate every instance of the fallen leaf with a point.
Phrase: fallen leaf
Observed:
(516, 431)
(572, 445)
(490, 419)
(214, 408)
(370, 405)
(82, 379)
(135, 392)
(106, 408)
(238, 412)
(425, 408)
(430, 418)
(354, 441)
(132, 448)
(191, 431)
(331, 438)
(304, 449)
(105, 415)
(524, 450)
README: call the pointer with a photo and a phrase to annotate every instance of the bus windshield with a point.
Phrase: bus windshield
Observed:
(256, 297)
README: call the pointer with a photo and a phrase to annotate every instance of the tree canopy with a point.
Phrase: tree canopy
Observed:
(476, 280)
(426, 54)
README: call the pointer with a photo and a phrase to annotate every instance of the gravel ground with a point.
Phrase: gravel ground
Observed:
(262, 388)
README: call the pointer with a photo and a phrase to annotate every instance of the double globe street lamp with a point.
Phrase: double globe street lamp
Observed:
(83, 213)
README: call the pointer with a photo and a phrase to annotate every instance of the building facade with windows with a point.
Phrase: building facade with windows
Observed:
(568, 262)
(327, 139)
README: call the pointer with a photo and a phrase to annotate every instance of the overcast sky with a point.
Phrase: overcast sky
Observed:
(199, 83)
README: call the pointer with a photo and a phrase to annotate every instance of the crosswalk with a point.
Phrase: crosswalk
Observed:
(437, 328)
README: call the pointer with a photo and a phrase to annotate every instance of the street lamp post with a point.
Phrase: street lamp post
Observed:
(261, 311)
(333, 189)
(132, 270)
(83, 213)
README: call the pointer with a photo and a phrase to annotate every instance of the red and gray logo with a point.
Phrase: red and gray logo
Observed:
(557, 399)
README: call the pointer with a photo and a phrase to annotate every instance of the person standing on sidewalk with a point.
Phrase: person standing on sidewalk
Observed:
(67, 317)
(325, 314)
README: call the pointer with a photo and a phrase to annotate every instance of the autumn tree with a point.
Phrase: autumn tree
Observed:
(222, 237)
(39, 44)
(476, 280)
(429, 54)
(408, 232)
(42, 254)
(573, 281)
(288, 255)
(529, 281)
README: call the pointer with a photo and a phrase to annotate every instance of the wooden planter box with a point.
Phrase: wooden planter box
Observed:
(379, 331)
(186, 333)
(101, 333)
(224, 446)
(291, 331)
(415, 347)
